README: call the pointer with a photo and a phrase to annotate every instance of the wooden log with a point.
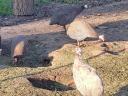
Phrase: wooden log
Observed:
(23, 7)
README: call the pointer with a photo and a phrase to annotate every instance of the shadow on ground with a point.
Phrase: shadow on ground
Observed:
(123, 91)
(114, 31)
(40, 45)
(49, 85)
(38, 48)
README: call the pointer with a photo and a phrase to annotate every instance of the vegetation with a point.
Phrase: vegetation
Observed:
(6, 5)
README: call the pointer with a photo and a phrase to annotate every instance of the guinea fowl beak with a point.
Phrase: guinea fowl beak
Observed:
(101, 38)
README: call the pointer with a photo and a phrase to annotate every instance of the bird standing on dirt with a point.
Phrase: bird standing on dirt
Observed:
(85, 77)
(18, 48)
(79, 30)
(66, 16)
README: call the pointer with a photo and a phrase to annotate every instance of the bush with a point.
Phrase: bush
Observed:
(5, 7)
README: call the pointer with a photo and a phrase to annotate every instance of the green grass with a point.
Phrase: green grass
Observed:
(5, 7)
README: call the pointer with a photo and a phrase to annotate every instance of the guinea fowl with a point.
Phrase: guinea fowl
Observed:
(18, 48)
(79, 30)
(85, 77)
(67, 15)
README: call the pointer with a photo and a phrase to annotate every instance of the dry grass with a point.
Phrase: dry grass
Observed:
(112, 68)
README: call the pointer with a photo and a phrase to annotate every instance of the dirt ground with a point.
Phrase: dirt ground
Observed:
(47, 67)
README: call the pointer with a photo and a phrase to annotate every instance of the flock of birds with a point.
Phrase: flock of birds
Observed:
(85, 77)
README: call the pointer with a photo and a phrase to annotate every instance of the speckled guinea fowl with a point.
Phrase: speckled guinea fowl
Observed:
(85, 77)
(79, 30)
(67, 15)
(18, 48)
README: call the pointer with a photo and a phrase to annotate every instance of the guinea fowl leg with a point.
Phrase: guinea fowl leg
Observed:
(15, 61)
(70, 82)
(64, 28)
(78, 43)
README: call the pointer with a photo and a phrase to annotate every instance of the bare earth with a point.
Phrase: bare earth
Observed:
(48, 61)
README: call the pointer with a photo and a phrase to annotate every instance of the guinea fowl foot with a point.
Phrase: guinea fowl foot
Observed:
(78, 43)
(105, 47)
(65, 28)
(17, 61)
(71, 82)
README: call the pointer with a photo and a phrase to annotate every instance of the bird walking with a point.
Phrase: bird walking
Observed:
(18, 48)
(66, 16)
(85, 77)
(79, 30)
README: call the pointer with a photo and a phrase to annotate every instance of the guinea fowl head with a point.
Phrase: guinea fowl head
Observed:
(102, 37)
(84, 6)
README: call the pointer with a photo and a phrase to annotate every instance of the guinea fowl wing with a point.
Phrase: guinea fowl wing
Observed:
(80, 30)
(87, 81)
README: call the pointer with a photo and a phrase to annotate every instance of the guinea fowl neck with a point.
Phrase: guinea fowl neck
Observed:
(78, 59)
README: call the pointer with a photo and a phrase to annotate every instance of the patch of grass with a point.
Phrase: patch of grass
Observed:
(5, 7)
